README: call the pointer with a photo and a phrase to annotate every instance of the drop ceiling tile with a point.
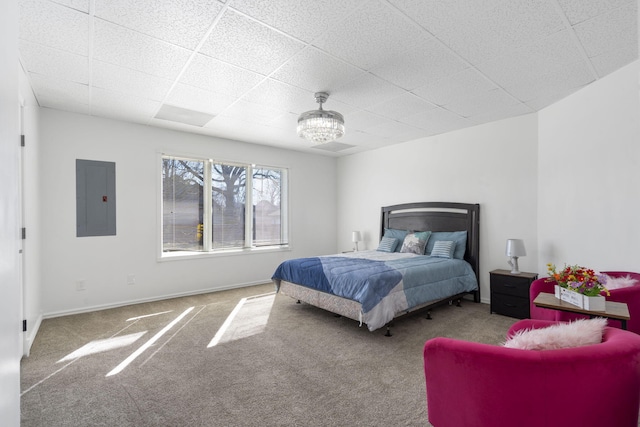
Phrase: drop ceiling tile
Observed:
(198, 99)
(543, 101)
(466, 83)
(333, 146)
(363, 120)
(557, 79)
(57, 64)
(281, 96)
(315, 71)
(581, 10)
(81, 5)
(60, 92)
(610, 31)
(371, 36)
(366, 90)
(404, 105)
(181, 22)
(437, 15)
(246, 43)
(359, 138)
(286, 121)
(391, 129)
(132, 82)
(437, 119)
(303, 19)
(129, 49)
(532, 60)
(241, 130)
(429, 60)
(217, 76)
(72, 107)
(411, 134)
(500, 30)
(122, 106)
(614, 60)
(494, 99)
(501, 113)
(54, 25)
(251, 112)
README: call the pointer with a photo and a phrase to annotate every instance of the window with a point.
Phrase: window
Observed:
(204, 206)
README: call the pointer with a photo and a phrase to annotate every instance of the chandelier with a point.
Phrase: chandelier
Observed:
(320, 125)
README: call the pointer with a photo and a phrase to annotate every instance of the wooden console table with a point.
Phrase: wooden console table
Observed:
(613, 310)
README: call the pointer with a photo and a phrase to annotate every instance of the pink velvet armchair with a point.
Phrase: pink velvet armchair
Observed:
(630, 296)
(474, 384)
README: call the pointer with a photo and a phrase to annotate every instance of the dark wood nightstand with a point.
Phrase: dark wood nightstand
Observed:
(510, 293)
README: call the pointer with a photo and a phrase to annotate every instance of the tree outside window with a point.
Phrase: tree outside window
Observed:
(189, 195)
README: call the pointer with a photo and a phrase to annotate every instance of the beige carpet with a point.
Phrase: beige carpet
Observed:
(243, 357)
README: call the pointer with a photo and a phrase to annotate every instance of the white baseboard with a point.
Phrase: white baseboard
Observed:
(151, 299)
(30, 336)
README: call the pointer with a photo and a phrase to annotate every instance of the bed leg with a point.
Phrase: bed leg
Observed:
(388, 334)
(429, 316)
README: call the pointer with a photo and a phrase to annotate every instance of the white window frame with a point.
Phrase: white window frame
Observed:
(207, 247)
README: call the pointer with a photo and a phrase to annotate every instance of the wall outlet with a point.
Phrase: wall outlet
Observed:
(131, 279)
(81, 285)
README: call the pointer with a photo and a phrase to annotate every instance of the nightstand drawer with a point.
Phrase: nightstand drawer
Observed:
(510, 285)
(509, 305)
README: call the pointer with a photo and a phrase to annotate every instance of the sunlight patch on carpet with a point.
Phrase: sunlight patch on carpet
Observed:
(248, 318)
(126, 362)
(99, 346)
(148, 315)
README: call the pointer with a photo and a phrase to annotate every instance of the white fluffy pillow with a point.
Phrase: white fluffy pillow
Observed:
(620, 282)
(562, 335)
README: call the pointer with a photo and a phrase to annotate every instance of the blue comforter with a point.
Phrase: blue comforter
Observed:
(384, 284)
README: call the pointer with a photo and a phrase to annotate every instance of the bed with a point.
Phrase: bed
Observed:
(375, 286)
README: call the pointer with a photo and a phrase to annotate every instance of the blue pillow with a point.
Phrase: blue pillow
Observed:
(396, 234)
(388, 244)
(460, 237)
(443, 249)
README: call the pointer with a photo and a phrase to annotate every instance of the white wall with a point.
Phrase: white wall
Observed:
(10, 289)
(589, 187)
(494, 165)
(32, 212)
(104, 262)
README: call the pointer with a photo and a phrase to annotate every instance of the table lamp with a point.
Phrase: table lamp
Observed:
(515, 248)
(355, 238)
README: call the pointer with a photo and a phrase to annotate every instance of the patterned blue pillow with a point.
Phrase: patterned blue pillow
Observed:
(388, 244)
(415, 243)
(443, 249)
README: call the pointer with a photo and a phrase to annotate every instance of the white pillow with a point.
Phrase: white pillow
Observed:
(562, 335)
(619, 282)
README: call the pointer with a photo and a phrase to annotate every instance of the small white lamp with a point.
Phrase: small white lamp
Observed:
(355, 238)
(515, 248)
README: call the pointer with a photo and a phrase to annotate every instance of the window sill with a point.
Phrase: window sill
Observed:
(183, 255)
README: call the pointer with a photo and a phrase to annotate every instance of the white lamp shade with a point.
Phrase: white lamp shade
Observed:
(515, 247)
(355, 236)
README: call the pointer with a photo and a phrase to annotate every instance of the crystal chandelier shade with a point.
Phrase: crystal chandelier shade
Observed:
(320, 125)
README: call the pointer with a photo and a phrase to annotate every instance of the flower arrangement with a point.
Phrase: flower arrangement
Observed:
(579, 279)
